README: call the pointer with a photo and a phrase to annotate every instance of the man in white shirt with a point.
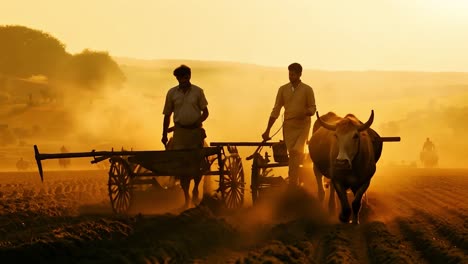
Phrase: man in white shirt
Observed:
(298, 101)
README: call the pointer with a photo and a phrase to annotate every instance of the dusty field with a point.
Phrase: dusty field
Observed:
(413, 216)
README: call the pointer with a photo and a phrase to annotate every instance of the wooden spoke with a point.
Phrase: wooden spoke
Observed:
(120, 187)
(232, 185)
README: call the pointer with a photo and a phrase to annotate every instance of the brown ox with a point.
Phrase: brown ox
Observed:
(346, 151)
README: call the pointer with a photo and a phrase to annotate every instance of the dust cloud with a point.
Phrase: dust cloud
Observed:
(412, 105)
(115, 118)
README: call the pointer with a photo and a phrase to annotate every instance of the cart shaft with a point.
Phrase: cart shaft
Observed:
(390, 139)
(242, 144)
(103, 155)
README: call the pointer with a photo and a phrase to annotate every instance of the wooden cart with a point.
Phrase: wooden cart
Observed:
(129, 169)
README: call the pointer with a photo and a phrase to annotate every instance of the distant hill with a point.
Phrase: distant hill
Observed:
(333, 82)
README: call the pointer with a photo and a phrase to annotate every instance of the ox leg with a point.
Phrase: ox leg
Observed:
(331, 200)
(345, 208)
(195, 198)
(185, 184)
(357, 201)
(365, 200)
(318, 178)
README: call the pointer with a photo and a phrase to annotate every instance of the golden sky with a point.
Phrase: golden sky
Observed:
(426, 35)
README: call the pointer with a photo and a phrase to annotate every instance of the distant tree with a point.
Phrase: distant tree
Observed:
(25, 52)
(92, 69)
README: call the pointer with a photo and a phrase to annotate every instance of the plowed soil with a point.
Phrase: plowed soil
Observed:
(411, 216)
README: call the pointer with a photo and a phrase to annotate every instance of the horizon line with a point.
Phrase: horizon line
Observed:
(285, 67)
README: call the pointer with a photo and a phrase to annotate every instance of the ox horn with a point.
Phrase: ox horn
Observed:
(368, 123)
(325, 124)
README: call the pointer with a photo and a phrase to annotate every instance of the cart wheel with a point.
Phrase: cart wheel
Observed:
(232, 185)
(120, 187)
(258, 180)
(164, 182)
(254, 185)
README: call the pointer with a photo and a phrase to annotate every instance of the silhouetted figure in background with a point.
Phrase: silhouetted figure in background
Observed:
(428, 145)
(22, 164)
(64, 162)
(428, 155)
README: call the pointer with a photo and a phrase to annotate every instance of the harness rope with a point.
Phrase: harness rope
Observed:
(274, 134)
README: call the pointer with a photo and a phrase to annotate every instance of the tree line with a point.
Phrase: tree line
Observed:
(26, 52)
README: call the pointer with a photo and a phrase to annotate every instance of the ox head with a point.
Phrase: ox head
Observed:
(346, 132)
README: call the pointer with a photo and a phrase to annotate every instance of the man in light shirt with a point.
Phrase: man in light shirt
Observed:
(298, 101)
(190, 108)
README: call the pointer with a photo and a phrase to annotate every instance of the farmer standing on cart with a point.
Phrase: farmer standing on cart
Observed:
(190, 108)
(298, 101)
